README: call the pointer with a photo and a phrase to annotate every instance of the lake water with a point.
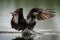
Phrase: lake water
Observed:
(16, 36)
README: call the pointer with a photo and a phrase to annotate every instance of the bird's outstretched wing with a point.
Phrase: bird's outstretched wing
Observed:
(46, 14)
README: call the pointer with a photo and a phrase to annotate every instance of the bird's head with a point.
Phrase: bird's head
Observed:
(17, 15)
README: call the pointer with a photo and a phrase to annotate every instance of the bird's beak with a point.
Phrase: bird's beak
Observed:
(11, 13)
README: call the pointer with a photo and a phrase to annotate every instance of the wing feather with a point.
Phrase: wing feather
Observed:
(44, 15)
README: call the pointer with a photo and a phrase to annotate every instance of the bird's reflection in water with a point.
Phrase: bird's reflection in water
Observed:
(18, 38)
(26, 35)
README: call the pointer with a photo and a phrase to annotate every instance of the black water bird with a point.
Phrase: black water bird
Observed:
(18, 21)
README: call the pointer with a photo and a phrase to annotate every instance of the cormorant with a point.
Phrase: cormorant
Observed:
(18, 21)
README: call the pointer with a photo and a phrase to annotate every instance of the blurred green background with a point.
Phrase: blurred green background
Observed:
(7, 6)
(50, 25)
